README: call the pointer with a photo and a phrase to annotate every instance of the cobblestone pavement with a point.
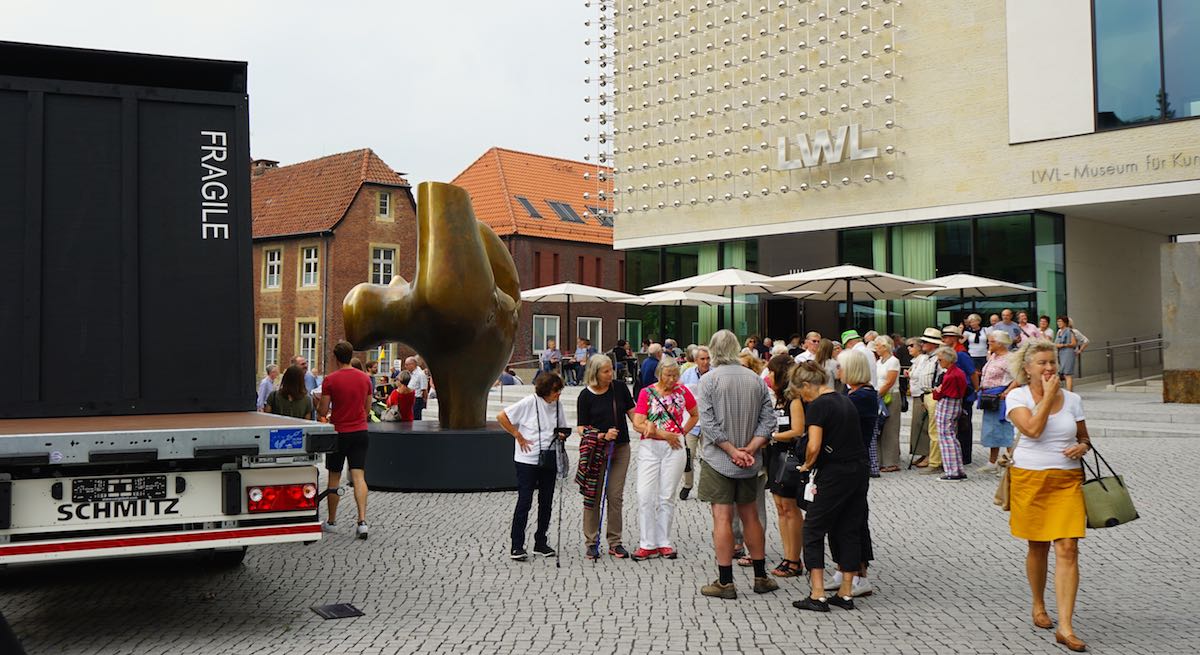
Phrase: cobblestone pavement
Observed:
(434, 576)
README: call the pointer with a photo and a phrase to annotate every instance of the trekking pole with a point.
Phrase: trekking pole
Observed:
(558, 485)
(603, 500)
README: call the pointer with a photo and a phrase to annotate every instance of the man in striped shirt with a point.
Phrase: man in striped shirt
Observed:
(736, 421)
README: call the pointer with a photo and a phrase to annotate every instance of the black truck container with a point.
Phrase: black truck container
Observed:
(124, 234)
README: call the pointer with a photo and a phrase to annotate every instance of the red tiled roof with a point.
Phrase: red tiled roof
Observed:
(500, 175)
(313, 196)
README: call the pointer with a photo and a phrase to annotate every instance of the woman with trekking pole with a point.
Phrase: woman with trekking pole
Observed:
(602, 409)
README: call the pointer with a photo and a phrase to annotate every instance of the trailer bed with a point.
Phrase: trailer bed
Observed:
(134, 438)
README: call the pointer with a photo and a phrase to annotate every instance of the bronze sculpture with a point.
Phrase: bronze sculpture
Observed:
(461, 312)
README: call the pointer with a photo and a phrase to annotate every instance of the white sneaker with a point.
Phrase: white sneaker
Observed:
(990, 466)
(361, 530)
(328, 528)
(834, 581)
(862, 587)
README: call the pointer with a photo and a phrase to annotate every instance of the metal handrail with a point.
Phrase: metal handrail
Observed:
(1138, 346)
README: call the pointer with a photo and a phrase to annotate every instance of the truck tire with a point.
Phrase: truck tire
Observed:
(227, 558)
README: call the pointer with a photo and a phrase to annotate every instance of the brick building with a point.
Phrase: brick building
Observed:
(321, 227)
(556, 224)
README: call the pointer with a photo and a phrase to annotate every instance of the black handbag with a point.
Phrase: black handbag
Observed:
(989, 402)
(783, 475)
(548, 458)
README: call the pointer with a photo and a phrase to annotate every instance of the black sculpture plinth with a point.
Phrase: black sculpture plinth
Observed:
(423, 456)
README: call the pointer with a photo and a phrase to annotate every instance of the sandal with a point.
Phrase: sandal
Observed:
(740, 556)
(787, 569)
(889, 469)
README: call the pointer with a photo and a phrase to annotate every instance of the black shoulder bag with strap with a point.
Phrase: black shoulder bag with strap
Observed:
(547, 458)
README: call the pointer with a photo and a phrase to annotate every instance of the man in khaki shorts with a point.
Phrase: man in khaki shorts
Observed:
(736, 421)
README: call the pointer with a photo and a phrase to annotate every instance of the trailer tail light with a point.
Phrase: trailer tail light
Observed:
(282, 497)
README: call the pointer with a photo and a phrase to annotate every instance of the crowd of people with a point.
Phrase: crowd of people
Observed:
(812, 422)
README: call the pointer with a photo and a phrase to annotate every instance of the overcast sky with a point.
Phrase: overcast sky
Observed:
(428, 84)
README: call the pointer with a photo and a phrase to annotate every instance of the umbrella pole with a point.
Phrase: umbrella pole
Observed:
(572, 350)
(849, 307)
(732, 320)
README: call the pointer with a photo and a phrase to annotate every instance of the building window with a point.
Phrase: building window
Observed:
(306, 341)
(601, 215)
(630, 329)
(310, 268)
(383, 265)
(599, 272)
(565, 212)
(385, 204)
(1145, 61)
(544, 328)
(383, 355)
(272, 266)
(555, 271)
(270, 344)
(529, 209)
(581, 274)
(587, 327)
(537, 268)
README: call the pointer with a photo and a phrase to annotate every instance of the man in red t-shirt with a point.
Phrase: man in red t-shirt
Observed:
(349, 390)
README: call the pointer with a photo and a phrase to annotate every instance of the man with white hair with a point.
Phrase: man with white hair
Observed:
(647, 375)
(736, 421)
(266, 386)
(419, 384)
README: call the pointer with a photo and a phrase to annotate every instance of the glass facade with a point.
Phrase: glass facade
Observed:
(1025, 248)
(1147, 61)
(646, 268)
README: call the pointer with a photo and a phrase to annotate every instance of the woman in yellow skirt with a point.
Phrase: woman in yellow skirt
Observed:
(1046, 492)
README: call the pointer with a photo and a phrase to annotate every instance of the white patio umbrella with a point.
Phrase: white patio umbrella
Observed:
(965, 285)
(679, 299)
(847, 281)
(569, 292)
(732, 280)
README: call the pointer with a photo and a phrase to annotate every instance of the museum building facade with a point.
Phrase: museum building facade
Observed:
(1044, 143)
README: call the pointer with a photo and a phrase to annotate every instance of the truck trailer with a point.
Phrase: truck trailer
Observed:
(128, 423)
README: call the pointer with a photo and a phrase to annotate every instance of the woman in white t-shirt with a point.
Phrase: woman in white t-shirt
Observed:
(532, 421)
(1046, 493)
(976, 340)
(889, 397)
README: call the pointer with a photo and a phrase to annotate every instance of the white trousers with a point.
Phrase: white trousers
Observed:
(659, 471)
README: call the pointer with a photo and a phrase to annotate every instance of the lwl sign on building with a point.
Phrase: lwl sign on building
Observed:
(846, 141)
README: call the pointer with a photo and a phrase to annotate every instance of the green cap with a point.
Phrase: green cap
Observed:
(850, 334)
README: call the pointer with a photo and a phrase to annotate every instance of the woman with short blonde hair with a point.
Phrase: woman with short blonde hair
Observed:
(890, 405)
(855, 370)
(1046, 485)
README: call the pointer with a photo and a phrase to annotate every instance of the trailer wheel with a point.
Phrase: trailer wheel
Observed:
(228, 558)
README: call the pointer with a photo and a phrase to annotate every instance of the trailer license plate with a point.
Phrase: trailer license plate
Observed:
(141, 487)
